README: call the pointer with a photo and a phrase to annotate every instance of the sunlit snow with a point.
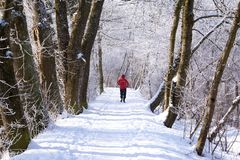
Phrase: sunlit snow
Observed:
(111, 130)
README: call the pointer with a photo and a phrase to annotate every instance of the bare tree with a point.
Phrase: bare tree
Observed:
(211, 99)
(159, 96)
(187, 24)
(169, 76)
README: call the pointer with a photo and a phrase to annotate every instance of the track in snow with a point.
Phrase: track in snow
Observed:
(110, 130)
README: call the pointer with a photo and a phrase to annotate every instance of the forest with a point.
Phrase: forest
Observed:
(57, 56)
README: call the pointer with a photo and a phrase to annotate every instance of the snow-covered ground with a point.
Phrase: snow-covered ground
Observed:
(111, 130)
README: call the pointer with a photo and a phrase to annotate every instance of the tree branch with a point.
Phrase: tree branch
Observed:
(207, 35)
(216, 129)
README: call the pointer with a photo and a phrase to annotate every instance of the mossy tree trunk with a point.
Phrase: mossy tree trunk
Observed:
(187, 24)
(62, 31)
(73, 62)
(43, 36)
(212, 94)
(25, 69)
(12, 113)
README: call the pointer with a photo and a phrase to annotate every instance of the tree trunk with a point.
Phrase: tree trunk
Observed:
(213, 133)
(184, 61)
(72, 6)
(2, 4)
(25, 70)
(238, 112)
(1, 123)
(212, 95)
(159, 96)
(62, 31)
(12, 115)
(73, 62)
(100, 66)
(43, 36)
(169, 76)
(86, 48)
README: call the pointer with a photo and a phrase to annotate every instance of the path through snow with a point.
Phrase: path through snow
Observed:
(110, 130)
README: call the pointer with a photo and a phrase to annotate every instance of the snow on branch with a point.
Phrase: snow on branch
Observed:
(5, 83)
(236, 100)
(3, 23)
(215, 130)
(16, 14)
(210, 16)
(207, 35)
(8, 54)
(3, 39)
(81, 56)
(175, 78)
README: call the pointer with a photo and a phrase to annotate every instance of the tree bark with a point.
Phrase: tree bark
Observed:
(2, 4)
(62, 31)
(1, 123)
(238, 112)
(86, 48)
(73, 62)
(213, 133)
(43, 36)
(12, 114)
(184, 61)
(100, 66)
(25, 70)
(212, 95)
(158, 98)
(169, 75)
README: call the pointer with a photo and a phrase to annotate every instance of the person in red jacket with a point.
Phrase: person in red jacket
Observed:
(123, 84)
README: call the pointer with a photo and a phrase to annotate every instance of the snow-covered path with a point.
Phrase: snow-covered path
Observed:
(110, 130)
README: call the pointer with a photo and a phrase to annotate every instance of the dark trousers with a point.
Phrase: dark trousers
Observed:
(123, 94)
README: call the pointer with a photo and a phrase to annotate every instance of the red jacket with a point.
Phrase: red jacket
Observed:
(122, 82)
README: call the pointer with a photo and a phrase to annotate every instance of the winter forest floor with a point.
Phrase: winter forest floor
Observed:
(111, 130)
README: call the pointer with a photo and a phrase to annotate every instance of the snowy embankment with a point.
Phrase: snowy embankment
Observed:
(110, 130)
